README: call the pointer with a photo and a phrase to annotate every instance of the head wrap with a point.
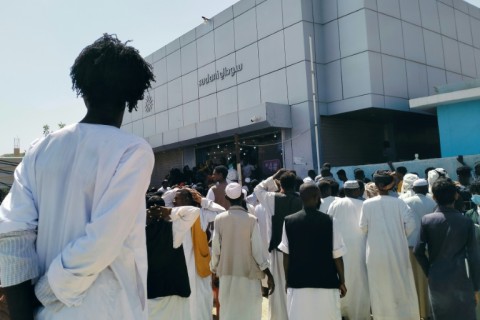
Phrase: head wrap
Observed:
(408, 181)
(434, 175)
(382, 178)
(371, 190)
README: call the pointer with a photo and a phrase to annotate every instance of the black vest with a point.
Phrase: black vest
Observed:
(285, 204)
(310, 244)
(167, 269)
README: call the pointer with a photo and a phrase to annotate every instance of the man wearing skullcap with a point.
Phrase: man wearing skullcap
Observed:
(449, 238)
(345, 213)
(239, 260)
(421, 205)
(387, 221)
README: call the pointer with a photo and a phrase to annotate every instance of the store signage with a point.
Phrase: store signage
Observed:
(220, 75)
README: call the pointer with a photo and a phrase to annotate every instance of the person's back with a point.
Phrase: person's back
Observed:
(387, 221)
(77, 205)
(453, 258)
(345, 213)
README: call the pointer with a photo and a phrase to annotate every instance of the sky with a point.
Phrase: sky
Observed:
(40, 39)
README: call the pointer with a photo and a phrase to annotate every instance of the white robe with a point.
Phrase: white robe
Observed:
(83, 189)
(326, 202)
(388, 221)
(346, 216)
(277, 302)
(201, 297)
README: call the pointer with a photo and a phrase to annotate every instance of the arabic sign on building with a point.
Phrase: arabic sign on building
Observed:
(220, 75)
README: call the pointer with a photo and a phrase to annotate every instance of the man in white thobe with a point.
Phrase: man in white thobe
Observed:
(421, 205)
(268, 197)
(326, 193)
(387, 221)
(75, 216)
(239, 260)
(345, 213)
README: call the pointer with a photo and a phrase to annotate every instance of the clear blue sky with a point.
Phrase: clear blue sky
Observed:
(40, 40)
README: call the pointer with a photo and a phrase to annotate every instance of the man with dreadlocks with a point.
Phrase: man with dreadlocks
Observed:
(387, 221)
(74, 221)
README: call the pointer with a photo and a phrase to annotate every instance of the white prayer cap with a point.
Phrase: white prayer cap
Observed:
(247, 180)
(420, 183)
(233, 190)
(351, 184)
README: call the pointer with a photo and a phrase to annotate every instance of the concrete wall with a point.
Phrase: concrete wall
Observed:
(450, 164)
(382, 53)
(459, 125)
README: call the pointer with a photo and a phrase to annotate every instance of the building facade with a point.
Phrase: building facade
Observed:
(303, 82)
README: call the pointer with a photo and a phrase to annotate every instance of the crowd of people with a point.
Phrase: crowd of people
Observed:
(377, 240)
(80, 238)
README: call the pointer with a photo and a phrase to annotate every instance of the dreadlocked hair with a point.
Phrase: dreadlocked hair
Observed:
(109, 70)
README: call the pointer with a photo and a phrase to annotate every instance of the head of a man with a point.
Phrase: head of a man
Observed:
(384, 181)
(359, 174)
(477, 168)
(312, 174)
(310, 195)
(234, 194)
(325, 188)
(401, 172)
(464, 175)
(475, 191)
(352, 189)
(165, 184)
(111, 75)
(427, 170)
(325, 172)
(420, 186)
(220, 173)
(444, 192)
(183, 198)
(342, 175)
(288, 180)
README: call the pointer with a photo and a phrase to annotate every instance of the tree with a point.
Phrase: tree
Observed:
(46, 129)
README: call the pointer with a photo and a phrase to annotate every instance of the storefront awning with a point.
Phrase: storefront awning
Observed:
(262, 116)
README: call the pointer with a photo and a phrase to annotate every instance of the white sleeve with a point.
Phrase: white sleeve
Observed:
(210, 195)
(363, 223)
(283, 246)
(183, 219)
(258, 250)
(74, 270)
(208, 212)
(18, 223)
(339, 248)
(408, 219)
(265, 196)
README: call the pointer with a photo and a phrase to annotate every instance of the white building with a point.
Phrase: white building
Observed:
(247, 71)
